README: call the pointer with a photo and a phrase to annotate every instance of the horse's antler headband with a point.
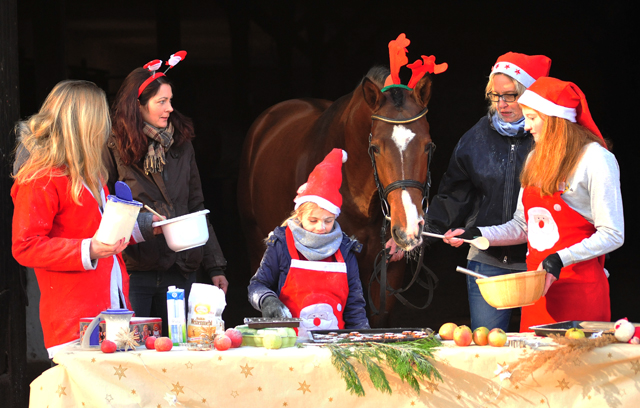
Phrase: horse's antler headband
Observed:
(154, 65)
(398, 58)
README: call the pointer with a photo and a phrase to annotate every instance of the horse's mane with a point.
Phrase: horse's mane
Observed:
(378, 75)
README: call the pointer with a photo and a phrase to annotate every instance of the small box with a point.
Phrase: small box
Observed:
(143, 326)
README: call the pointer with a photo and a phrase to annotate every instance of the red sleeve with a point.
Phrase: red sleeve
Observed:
(36, 206)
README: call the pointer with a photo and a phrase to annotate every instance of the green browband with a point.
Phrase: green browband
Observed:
(386, 88)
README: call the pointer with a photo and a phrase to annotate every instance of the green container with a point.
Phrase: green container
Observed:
(288, 336)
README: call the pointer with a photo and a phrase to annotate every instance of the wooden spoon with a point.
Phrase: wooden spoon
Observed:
(162, 217)
(480, 242)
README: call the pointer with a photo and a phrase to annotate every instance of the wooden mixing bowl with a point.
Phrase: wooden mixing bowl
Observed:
(512, 290)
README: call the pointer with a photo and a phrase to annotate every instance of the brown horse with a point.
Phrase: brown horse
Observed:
(289, 139)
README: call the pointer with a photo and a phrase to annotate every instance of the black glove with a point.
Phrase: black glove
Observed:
(553, 264)
(470, 233)
(273, 307)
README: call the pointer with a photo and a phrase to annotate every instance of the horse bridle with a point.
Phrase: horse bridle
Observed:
(403, 184)
(380, 263)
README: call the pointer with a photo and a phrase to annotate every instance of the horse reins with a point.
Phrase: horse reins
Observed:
(381, 259)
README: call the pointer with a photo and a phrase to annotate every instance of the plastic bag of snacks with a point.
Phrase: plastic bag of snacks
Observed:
(206, 304)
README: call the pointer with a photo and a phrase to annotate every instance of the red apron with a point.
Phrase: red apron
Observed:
(582, 291)
(315, 291)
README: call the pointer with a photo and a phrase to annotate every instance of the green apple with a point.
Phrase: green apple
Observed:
(272, 341)
(574, 333)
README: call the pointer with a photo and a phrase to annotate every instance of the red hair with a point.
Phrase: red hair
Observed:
(556, 154)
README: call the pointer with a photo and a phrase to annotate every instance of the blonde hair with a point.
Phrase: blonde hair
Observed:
(489, 88)
(556, 153)
(299, 212)
(67, 137)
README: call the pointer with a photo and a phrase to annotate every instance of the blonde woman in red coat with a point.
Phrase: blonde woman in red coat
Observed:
(58, 195)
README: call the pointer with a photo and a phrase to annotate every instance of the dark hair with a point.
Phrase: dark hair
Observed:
(127, 122)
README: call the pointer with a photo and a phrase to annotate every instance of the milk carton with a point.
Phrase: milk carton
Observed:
(119, 216)
(175, 316)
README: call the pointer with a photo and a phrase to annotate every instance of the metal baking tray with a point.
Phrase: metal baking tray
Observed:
(264, 322)
(588, 327)
(320, 336)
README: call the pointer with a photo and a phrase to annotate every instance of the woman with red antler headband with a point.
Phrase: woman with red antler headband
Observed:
(150, 148)
(480, 186)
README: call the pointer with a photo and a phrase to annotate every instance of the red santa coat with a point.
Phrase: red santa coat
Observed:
(48, 230)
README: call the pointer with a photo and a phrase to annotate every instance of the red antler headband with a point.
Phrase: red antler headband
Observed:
(154, 65)
(398, 59)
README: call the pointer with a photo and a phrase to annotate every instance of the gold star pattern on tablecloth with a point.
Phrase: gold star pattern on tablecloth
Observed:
(431, 387)
(108, 398)
(177, 388)
(60, 391)
(563, 384)
(542, 401)
(189, 365)
(259, 389)
(330, 399)
(635, 366)
(164, 370)
(133, 392)
(610, 355)
(413, 403)
(284, 404)
(235, 394)
(120, 371)
(93, 360)
(290, 368)
(246, 370)
(219, 358)
(304, 387)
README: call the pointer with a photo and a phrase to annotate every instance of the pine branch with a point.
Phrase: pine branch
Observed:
(410, 360)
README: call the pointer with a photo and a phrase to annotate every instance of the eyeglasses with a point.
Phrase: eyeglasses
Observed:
(508, 98)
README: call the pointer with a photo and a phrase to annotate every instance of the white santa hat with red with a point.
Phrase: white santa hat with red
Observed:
(525, 69)
(323, 185)
(554, 97)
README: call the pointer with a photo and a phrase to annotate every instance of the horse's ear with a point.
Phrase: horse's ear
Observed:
(372, 94)
(422, 91)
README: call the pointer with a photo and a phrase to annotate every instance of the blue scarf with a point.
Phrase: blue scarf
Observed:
(506, 128)
(312, 246)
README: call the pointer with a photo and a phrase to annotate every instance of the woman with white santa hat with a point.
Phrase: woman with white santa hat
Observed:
(309, 267)
(481, 183)
(570, 206)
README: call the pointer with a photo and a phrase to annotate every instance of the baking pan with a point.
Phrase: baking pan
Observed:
(264, 322)
(389, 335)
(588, 327)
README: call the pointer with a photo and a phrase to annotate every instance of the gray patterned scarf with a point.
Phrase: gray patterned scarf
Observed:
(312, 246)
(161, 141)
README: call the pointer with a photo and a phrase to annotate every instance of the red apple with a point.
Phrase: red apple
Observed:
(222, 342)
(149, 343)
(107, 346)
(462, 336)
(497, 337)
(163, 344)
(574, 333)
(446, 331)
(235, 335)
(480, 336)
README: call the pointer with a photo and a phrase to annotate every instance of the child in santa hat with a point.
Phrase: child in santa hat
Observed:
(573, 176)
(309, 269)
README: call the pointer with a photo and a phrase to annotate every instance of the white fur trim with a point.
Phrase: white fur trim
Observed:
(537, 102)
(338, 267)
(514, 72)
(345, 156)
(322, 202)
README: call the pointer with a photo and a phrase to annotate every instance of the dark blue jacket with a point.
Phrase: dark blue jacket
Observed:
(481, 185)
(274, 268)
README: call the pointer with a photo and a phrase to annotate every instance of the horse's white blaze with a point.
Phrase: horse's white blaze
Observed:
(411, 212)
(401, 137)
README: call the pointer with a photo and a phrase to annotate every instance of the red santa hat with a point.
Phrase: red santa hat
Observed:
(525, 69)
(323, 185)
(554, 97)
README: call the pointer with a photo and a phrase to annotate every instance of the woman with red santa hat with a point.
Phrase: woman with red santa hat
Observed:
(309, 269)
(570, 207)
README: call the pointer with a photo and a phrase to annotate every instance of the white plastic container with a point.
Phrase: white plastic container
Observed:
(185, 232)
(118, 220)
